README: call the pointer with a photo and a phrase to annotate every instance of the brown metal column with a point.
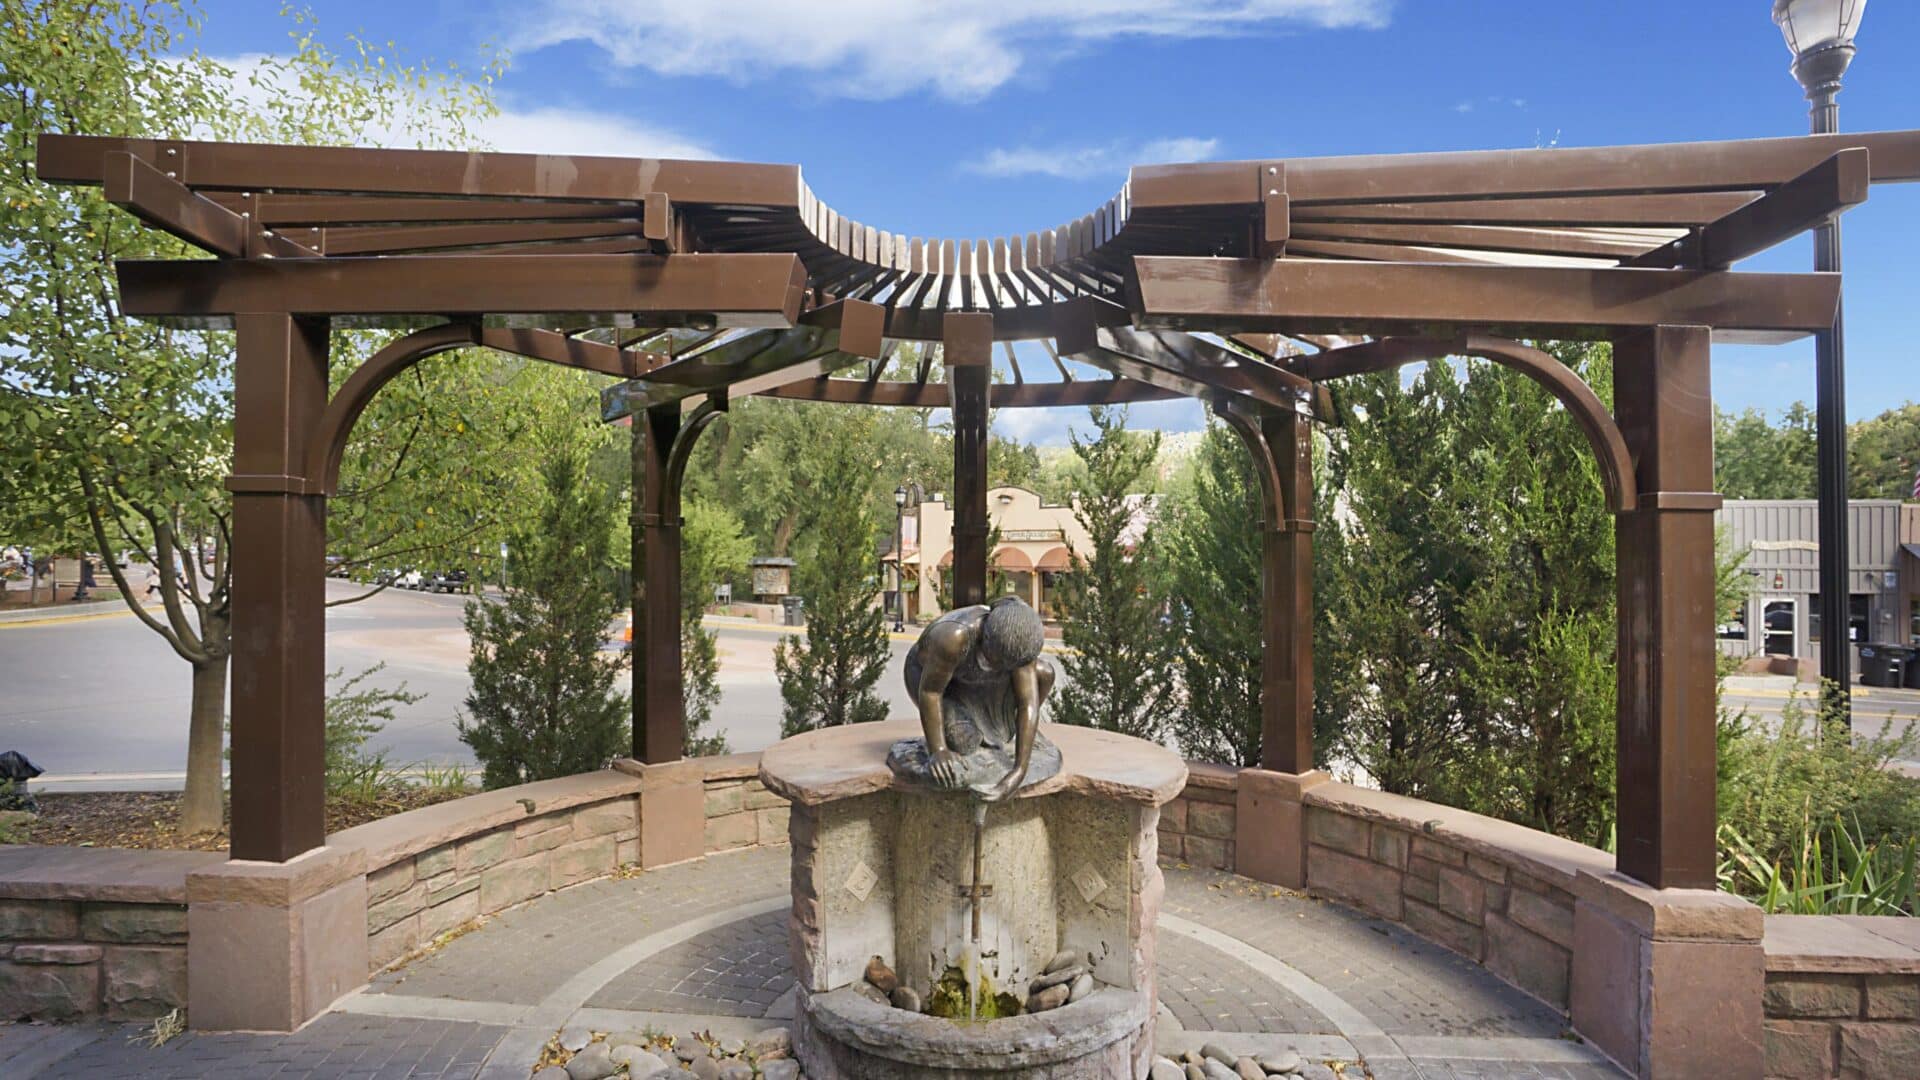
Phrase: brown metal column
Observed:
(1664, 550)
(659, 722)
(968, 344)
(279, 589)
(1286, 662)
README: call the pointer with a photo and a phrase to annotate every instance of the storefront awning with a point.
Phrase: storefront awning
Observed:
(1055, 560)
(1012, 558)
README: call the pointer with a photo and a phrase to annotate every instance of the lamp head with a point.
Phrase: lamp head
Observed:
(1820, 35)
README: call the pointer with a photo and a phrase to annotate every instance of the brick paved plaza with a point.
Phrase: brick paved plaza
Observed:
(702, 946)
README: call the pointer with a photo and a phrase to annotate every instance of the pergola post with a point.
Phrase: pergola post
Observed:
(1664, 549)
(967, 338)
(659, 724)
(279, 589)
(1286, 664)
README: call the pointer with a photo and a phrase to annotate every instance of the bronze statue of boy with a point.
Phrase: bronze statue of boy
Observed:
(979, 681)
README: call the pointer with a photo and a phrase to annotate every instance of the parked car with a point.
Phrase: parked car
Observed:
(448, 581)
(337, 566)
(412, 579)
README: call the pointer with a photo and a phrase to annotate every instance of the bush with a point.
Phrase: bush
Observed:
(1813, 819)
(354, 716)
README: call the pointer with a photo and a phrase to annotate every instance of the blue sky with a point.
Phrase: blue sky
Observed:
(994, 116)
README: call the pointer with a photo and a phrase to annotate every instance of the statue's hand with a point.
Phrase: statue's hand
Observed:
(1008, 785)
(945, 766)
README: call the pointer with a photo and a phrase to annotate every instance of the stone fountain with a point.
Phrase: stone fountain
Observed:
(975, 895)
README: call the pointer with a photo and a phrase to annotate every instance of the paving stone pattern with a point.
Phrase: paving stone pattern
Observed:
(1407, 985)
(522, 955)
(1207, 990)
(335, 1045)
(734, 970)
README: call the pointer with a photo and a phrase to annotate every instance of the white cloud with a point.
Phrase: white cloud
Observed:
(1081, 162)
(260, 79)
(887, 48)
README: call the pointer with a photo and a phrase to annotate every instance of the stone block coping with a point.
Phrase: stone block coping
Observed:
(1550, 858)
(391, 839)
(732, 766)
(843, 762)
(119, 875)
(1850, 944)
(1209, 775)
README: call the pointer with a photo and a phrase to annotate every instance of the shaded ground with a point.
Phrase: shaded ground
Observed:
(700, 947)
(148, 819)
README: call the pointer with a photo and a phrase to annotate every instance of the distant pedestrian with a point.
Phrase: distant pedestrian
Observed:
(86, 579)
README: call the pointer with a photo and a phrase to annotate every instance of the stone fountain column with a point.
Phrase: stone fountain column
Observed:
(881, 871)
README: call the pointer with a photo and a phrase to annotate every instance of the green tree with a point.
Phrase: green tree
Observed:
(1883, 454)
(1119, 670)
(712, 549)
(122, 429)
(1753, 459)
(827, 677)
(543, 701)
(1212, 548)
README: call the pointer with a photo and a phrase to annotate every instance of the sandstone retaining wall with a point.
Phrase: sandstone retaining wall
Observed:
(1197, 827)
(1842, 996)
(740, 811)
(88, 934)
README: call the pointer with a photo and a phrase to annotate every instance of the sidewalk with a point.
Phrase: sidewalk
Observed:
(66, 611)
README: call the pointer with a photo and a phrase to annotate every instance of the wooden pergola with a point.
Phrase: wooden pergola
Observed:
(1245, 284)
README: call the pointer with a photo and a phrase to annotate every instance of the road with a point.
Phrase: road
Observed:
(105, 695)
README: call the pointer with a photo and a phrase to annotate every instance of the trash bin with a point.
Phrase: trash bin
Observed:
(793, 608)
(1913, 668)
(1884, 665)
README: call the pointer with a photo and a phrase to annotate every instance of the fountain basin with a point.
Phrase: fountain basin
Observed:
(881, 869)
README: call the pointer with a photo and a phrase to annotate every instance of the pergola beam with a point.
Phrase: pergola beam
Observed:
(1595, 211)
(1235, 296)
(553, 291)
(79, 159)
(1810, 199)
(933, 395)
(1662, 168)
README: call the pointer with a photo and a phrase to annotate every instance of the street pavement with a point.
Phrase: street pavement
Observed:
(100, 701)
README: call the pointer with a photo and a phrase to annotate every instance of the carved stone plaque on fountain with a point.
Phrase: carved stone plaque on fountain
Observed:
(885, 867)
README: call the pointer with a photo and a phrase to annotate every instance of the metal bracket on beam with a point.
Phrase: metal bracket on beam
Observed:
(1275, 213)
(266, 484)
(657, 223)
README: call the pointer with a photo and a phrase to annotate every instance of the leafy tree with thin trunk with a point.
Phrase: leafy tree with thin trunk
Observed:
(543, 701)
(1211, 541)
(1120, 667)
(123, 429)
(827, 678)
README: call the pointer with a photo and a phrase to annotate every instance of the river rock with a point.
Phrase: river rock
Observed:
(1163, 1069)
(575, 1039)
(705, 1068)
(882, 976)
(903, 997)
(551, 1072)
(1218, 1053)
(1249, 1069)
(1055, 978)
(1281, 1062)
(1080, 987)
(1215, 1069)
(1195, 1072)
(641, 1064)
(593, 1063)
(1050, 998)
(780, 1069)
(771, 1043)
(736, 1070)
(688, 1047)
(1062, 960)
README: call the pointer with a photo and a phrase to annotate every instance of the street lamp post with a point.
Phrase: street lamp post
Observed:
(899, 558)
(1820, 34)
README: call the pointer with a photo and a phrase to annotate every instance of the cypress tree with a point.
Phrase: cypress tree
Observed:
(1119, 668)
(543, 701)
(827, 677)
(1212, 545)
